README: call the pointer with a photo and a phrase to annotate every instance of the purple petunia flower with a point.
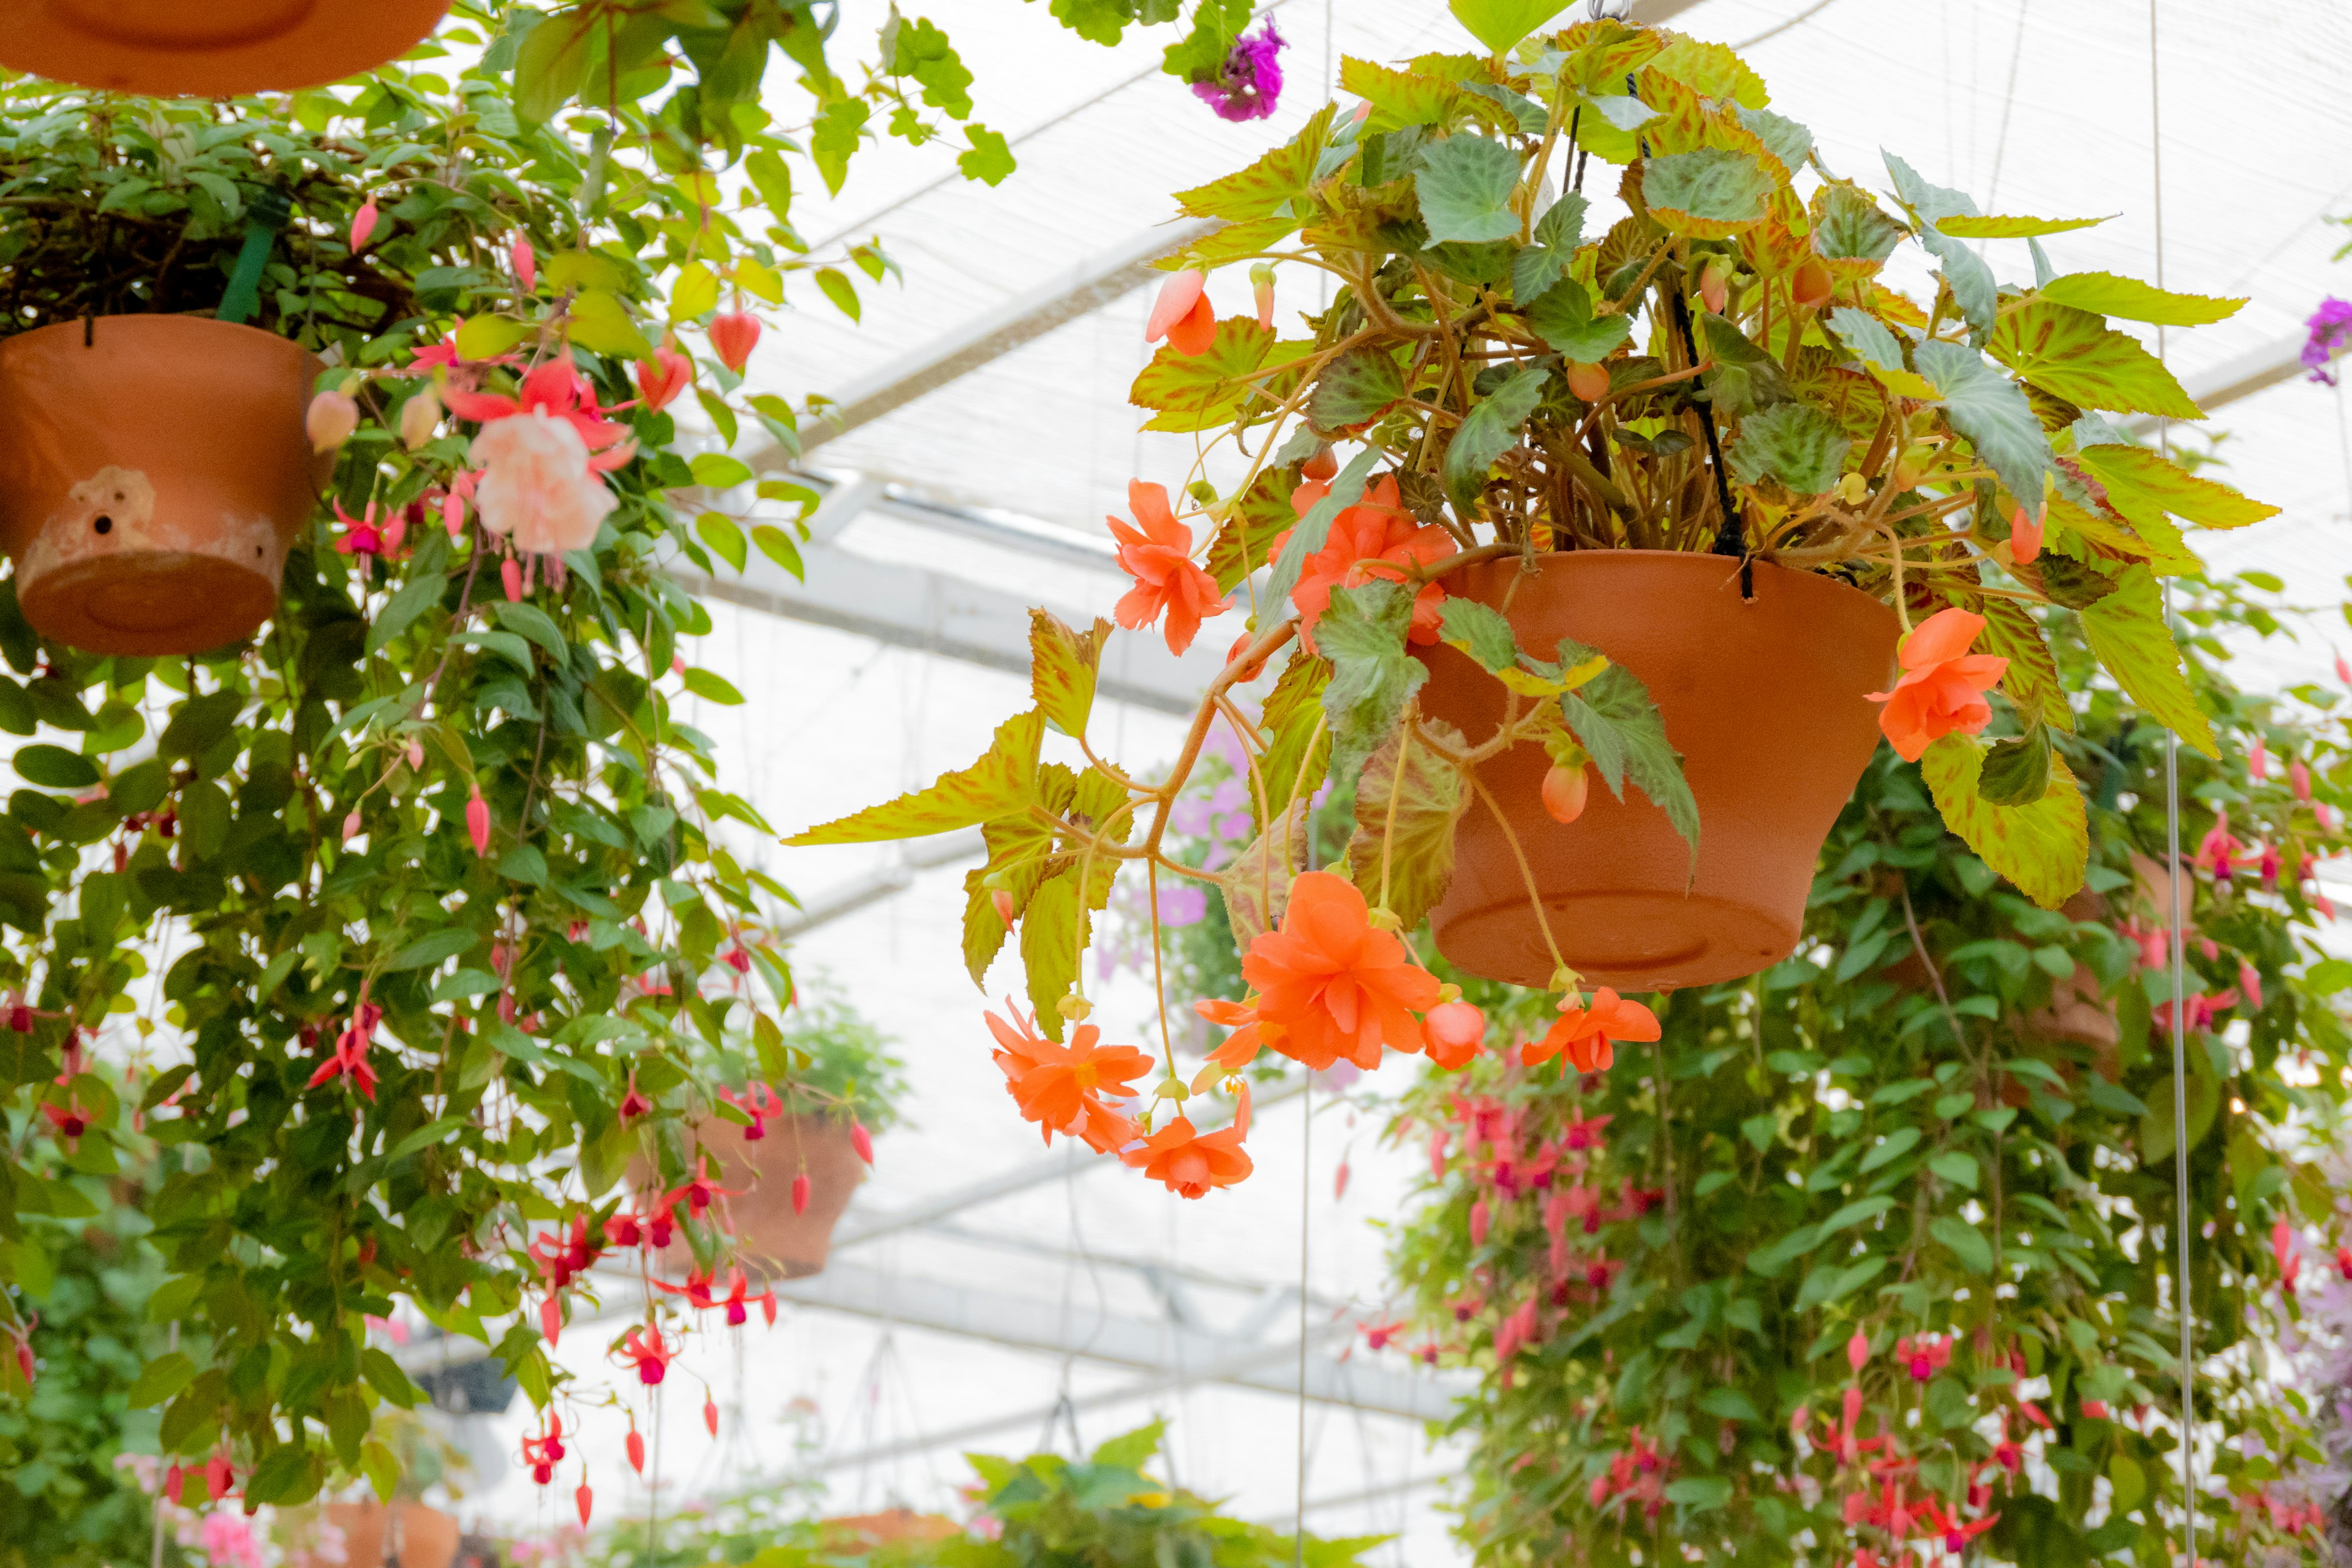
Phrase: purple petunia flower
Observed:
(1249, 82)
(2331, 334)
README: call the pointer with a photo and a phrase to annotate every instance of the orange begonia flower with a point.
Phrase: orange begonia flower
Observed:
(1159, 558)
(1943, 685)
(1375, 538)
(1250, 1034)
(1334, 984)
(1060, 1087)
(1590, 1035)
(1191, 1162)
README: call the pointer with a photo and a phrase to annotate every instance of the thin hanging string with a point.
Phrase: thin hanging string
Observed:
(1306, 1197)
(2183, 1301)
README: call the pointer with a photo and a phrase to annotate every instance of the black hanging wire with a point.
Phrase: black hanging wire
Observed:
(1730, 536)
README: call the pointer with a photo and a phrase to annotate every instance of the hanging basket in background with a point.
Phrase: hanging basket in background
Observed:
(1765, 699)
(152, 471)
(760, 1174)
(209, 48)
(409, 1533)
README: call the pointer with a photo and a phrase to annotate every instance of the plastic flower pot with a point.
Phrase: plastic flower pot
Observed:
(1765, 699)
(760, 1172)
(152, 471)
(212, 49)
(420, 1537)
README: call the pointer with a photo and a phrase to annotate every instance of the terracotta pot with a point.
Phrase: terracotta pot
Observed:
(2078, 1014)
(760, 1172)
(427, 1537)
(1765, 700)
(211, 49)
(854, 1535)
(152, 471)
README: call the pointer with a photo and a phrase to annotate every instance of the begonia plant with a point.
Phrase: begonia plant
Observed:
(1727, 370)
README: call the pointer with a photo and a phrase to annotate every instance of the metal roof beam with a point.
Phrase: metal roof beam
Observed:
(2232, 379)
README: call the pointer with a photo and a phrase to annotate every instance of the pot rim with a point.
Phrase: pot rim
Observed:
(327, 42)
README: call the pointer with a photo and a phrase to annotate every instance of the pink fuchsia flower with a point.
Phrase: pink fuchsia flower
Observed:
(1941, 691)
(331, 419)
(1182, 313)
(1248, 82)
(733, 336)
(2218, 851)
(632, 1104)
(363, 536)
(538, 488)
(362, 225)
(649, 1353)
(2331, 332)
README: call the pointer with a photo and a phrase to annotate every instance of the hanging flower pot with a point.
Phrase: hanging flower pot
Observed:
(152, 471)
(413, 1534)
(214, 48)
(761, 1172)
(1765, 699)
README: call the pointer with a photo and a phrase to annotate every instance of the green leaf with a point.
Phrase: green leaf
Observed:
(1399, 97)
(1792, 442)
(1970, 279)
(1501, 24)
(1994, 413)
(1957, 1168)
(1964, 226)
(2108, 295)
(1966, 1241)
(1354, 389)
(1362, 633)
(695, 290)
(834, 139)
(1199, 392)
(415, 596)
(1536, 267)
(1408, 799)
(922, 51)
(159, 1379)
(1700, 1494)
(1564, 318)
(1848, 226)
(989, 157)
(54, 767)
(598, 321)
(1000, 783)
(1897, 1143)
(1299, 745)
(2042, 848)
(1480, 631)
(551, 66)
(1491, 429)
(1728, 1403)
(837, 288)
(2126, 630)
(1274, 181)
(1464, 186)
(711, 688)
(1617, 722)
(1061, 666)
(1711, 192)
(2076, 355)
(1745, 377)
(717, 529)
(1346, 490)
(486, 336)
(718, 471)
(2032, 680)
(531, 621)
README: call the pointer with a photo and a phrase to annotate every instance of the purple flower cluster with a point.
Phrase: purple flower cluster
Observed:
(2331, 334)
(1249, 82)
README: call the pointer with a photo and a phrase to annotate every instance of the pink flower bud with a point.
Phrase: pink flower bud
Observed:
(352, 826)
(362, 224)
(1177, 298)
(587, 1500)
(511, 574)
(477, 822)
(2299, 778)
(709, 1414)
(1340, 1182)
(2096, 1409)
(1005, 910)
(2250, 983)
(453, 513)
(1714, 286)
(551, 1319)
(332, 417)
(2024, 537)
(1479, 1220)
(2342, 670)
(416, 756)
(526, 264)
(1261, 284)
(733, 336)
(418, 416)
(1857, 1351)
(862, 1141)
(800, 1192)
(2258, 760)
(637, 1446)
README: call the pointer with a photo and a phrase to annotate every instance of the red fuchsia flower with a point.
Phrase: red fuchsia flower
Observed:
(1587, 1134)
(2218, 851)
(2284, 1248)
(1159, 556)
(733, 336)
(2344, 1261)
(70, 1120)
(1456, 1030)
(478, 820)
(362, 225)
(1060, 1087)
(1925, 1356)
(1248, 80)
(2202, 1011)
(662, 378)
(1182, 313)
(699, 1193)
(1335, 983)
(1191, 1164)
(1378, 1336)
(544, 1452)
(526, 263)
(645, 1350)
(1942, 688)
(709, 1414)
(361, 536)
(2268, 867)
(1590, 1035)
(350, 1053)
(1375, 537)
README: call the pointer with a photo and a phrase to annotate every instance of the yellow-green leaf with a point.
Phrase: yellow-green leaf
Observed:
(486, 337)
(1298, 747)
(2042, 848)
(1965, 227)
(1199, 392)
(1500, 24)
(1256, 520)
(2133, 300)
(2031, 680)
(2140, 481)
(1062, 665)
(1408, 799)
(1257, 885)
(2126, 630)
(1398, 98)
(696, 290)
(719, 531)
(600, 323)
(2073, 354)
(1256, 191)
(756, 278)
(839, 289)
(1000, 783)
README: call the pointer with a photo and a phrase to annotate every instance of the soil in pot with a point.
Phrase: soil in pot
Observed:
(209, 48)
(759, 1171)
(420, 1537)
(154, 470)
(1765, 699)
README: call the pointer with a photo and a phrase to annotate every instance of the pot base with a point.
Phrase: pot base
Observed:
(1630, 940)
(153, 603)
(170, 48)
